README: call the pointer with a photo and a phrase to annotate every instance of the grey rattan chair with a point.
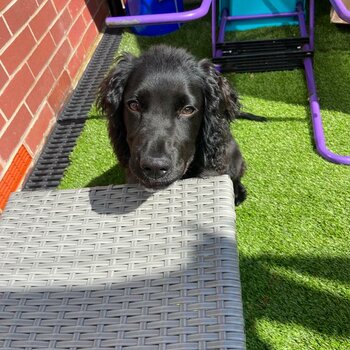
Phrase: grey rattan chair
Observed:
(119, 268)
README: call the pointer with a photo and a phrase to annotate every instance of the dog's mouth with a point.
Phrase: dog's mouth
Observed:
(152, 185)
(156, 185)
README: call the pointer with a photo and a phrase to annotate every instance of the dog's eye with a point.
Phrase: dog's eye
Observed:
(187, 111)
(134, 106)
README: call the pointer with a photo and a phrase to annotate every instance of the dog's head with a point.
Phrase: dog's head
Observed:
(165, 109)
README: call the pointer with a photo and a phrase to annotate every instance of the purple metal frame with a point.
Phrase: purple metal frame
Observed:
(164, 18)
(318, 131)
(341, 10)
(320, 140)
(201, 11)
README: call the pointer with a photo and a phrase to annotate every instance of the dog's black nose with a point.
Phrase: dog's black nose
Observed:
(155, 168)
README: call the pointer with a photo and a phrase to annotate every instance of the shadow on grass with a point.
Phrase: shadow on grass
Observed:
(113, 176)
(297, 295)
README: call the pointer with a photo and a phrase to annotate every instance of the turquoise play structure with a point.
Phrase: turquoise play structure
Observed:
(261, 7)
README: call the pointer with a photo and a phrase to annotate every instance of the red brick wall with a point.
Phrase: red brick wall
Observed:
(43, 45)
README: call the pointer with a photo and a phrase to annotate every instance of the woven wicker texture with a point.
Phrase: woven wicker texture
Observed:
(120, 268)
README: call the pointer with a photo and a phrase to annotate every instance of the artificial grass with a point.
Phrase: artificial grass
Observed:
(293, 230)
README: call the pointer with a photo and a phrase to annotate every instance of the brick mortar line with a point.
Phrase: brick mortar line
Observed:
(32, 123)
(22, 139)
(22, 142)
(40, 74)
(21, 29)
(7, 7)
(3, 115)
(41, 107)
(92, 46)
(76, 19)
(9, 120)
(26, 24)
(87, 60)
(38, 42)
(46, 177)
(54, 120)
(35, 155)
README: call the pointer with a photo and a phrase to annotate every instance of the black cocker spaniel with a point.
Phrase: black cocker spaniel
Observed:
(169, 118)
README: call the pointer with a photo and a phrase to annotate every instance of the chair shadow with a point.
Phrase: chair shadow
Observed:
(122, 199)
(113, 176)
(272, 296)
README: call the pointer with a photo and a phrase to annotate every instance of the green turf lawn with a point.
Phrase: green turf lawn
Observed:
(293, 230)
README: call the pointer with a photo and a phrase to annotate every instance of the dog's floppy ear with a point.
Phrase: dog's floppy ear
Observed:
(220, 96)
(221, 107)
(109, 99)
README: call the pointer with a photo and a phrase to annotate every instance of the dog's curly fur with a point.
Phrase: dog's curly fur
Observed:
(144, 99)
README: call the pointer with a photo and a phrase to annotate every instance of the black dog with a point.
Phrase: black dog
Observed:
(169, 118)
